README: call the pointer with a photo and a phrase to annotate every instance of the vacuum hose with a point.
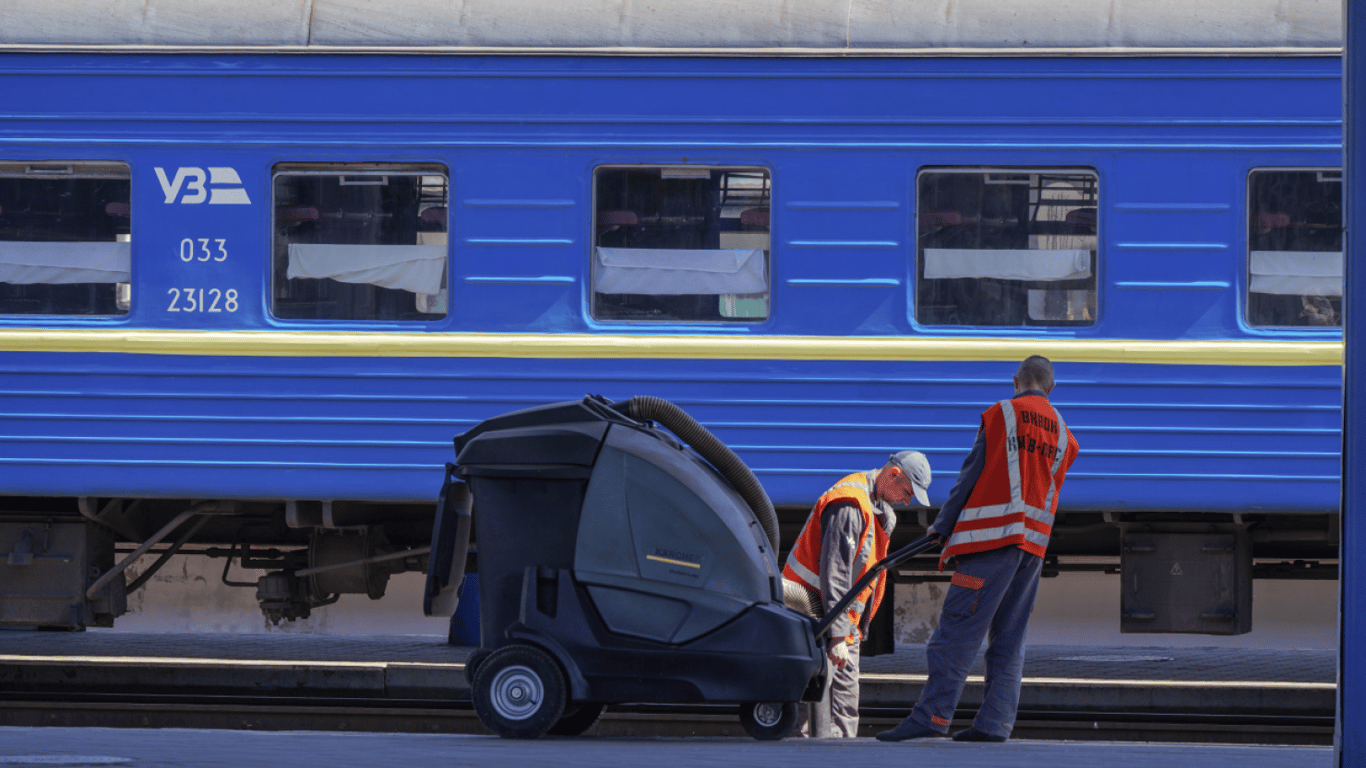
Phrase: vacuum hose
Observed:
(713, 450)
(798, 597)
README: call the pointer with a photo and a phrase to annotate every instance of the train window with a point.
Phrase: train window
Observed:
(65, 238)
(1006, 247)
(360, 242)
(1294, 242)
(681, 244)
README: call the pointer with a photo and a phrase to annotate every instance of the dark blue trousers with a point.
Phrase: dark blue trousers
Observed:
(995, 605)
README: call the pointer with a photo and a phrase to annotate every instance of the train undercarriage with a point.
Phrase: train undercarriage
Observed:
(70, 563)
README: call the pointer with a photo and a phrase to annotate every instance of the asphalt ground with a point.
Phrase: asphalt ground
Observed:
(157, 748)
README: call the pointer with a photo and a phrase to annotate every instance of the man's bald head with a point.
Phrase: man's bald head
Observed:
(1035, 372)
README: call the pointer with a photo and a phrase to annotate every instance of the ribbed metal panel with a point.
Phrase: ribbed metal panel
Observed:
(1152, 438)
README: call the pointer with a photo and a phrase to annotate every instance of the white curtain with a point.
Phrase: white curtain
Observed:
(1296, 273)
(415, 268)
(48, 263)
(673, 271)
(1068, 264)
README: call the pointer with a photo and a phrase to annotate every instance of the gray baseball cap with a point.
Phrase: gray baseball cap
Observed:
(917, 468)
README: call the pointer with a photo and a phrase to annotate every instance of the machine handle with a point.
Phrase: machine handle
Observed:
(450, 545)
(896, 558)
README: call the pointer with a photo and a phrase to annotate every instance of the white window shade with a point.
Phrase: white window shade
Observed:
(1068, 264)
(53, 263)
(1296, 273)
(416, 268)
(665, 272)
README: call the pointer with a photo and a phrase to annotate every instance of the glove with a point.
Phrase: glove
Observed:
(839, 654)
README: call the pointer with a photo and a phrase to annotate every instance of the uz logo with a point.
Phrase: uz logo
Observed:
(226, 186)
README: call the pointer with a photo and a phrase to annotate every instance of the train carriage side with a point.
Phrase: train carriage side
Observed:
(314, 270)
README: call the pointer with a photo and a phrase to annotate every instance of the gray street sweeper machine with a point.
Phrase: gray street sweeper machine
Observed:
(620, 562)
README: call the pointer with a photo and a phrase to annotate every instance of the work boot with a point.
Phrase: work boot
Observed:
(972, 734)
(908, 729)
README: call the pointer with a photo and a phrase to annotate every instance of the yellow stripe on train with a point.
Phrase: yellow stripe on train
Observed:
(665, 347)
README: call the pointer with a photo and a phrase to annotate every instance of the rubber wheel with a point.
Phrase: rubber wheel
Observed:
(577, 719)
(769, 720)
(519, 692)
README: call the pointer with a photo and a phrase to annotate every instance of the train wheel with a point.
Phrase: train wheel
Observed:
(519, 692)
(769, 720)
(578, 719)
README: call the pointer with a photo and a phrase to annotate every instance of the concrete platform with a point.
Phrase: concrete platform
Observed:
(1058, 677)
(290, 749)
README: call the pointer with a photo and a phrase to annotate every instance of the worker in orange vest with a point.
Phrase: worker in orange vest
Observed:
(997, 519)
(846, 534)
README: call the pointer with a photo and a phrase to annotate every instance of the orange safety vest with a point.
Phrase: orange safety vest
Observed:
(1028, 451)
(804, 561)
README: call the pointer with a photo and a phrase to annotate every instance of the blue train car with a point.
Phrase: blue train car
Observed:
(251, 287)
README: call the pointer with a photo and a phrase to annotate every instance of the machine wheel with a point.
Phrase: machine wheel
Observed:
(519, 692)
(769, 720)
(577, 719)
(473, 662)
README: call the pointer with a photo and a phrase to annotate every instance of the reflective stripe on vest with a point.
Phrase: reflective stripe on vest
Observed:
(1017, 522)
(803, 562)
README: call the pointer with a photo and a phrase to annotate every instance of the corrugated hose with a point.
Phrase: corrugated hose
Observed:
(706, 444)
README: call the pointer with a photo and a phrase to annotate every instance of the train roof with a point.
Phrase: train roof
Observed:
(702, 27)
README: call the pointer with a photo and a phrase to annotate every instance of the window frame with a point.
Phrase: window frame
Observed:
(88, 169)
(684, 170)
(1246, 297)
(917, 265)
(353, 169)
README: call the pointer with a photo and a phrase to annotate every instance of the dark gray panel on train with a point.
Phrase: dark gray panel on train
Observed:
(1199, 583)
